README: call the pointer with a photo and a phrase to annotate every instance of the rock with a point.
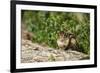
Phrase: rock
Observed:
(34, 52)
(40, 59)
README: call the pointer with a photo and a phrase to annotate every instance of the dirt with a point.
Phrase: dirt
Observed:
(34, 52)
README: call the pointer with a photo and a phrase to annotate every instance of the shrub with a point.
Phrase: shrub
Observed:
(46, 25)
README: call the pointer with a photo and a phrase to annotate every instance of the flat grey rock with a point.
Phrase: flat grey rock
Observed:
(33, 52)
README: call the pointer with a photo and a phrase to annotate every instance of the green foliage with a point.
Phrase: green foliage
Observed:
(46, 25)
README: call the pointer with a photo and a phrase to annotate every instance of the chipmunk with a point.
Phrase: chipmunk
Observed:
(67, 41)
(27, 35)
(63, 41)
(73, 44)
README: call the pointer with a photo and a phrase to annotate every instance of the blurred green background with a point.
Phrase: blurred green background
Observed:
(46, 25)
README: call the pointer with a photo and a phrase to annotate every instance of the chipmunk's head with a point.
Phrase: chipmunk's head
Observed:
(61, 34)
(70, 35)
